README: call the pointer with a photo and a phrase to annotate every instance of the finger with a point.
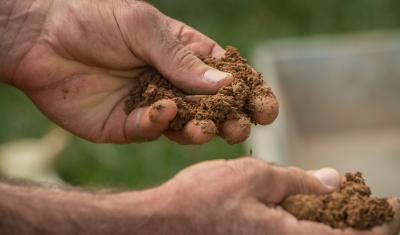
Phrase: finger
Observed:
(305, 227)
(393, 228)
(290, 181)
(278, 221)
(177, 136)
(266, 109)
(148, 123)
(178, 63)
(195, 132)
(196, 41)
(272, 184)
(291, 226)
(236, 131)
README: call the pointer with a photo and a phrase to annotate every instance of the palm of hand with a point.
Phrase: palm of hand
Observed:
(81, 68)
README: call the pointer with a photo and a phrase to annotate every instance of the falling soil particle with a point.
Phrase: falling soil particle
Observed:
(235, 101)
(350, 206)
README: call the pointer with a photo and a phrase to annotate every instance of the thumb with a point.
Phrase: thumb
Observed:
(291, 181)
(178, 64)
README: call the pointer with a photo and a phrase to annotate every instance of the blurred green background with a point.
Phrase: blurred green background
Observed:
(239, 23)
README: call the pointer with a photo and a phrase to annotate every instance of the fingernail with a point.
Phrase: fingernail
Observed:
(214, 75)
(328, 176)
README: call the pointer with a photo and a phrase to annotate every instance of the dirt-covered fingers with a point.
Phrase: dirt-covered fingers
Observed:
(291, 226)
(236, 131)
(265, 109)
(393, 228)
(275, 220)
(148, 123)
(281, 222)
(194, 132)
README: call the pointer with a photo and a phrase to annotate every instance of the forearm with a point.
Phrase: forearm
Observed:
(20, 25)
(33, 210)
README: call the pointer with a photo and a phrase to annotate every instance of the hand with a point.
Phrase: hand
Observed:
(241, 197)
(78, 60)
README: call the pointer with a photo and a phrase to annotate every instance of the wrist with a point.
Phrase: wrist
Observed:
(74, 212)
(142, 212)
(21, 22)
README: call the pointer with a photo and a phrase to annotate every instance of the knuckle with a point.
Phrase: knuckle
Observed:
(140, 15)
(247, 162)
(140, 6)
(182, 58)
(295, 170)
(149, 134)
(298, 178)
(269, 173)
(185, 58)
(249, 166)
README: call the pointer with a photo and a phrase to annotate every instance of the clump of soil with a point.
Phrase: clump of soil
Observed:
(350, 206)
(234, 101)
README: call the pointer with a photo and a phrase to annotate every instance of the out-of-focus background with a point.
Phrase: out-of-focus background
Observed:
(335, 65)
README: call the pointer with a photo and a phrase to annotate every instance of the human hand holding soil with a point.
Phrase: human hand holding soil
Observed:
(78, 61)
(242, 197)
(236, 197)
(351, 205)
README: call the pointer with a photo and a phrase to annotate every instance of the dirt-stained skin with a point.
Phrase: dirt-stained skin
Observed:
(349, 206)
(236, 101)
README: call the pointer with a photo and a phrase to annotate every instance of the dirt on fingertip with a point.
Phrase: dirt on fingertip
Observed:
(234, 101)
(350, 206)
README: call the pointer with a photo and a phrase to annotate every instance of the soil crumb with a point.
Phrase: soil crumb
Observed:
(234, 101)
(350, 206)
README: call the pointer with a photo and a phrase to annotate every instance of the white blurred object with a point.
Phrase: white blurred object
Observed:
(339, 105)
(34, 159)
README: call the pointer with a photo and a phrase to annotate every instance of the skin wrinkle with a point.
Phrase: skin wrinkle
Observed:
(19, 31)
(8, 16)
(69, 55)
(122, 36)
(137, 116)
(34, 40)
(114, 109)
(8, 26)
(143, 11)
(180, 31)
(174, 46)
(213, 47)
(3, 34)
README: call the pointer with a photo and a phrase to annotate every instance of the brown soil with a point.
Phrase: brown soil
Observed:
(350, 206)
(231, 102)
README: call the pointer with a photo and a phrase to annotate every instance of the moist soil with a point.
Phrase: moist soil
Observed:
(231, 102)
(350, 206)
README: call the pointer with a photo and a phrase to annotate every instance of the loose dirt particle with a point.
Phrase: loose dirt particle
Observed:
(234, 101)
(155, 112)
(158, 107)
(350, 206)
(205, 127)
